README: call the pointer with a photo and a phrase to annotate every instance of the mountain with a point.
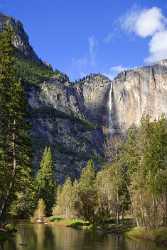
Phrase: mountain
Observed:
(62, 113)
(61, 117)
(76, 119)
(139, 92)
(21, 40)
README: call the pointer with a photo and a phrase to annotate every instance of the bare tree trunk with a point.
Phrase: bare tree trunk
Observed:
(137, 222)
(117, 208)
(165, 214)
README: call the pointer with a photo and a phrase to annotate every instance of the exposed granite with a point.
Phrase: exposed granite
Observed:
(139, 92)
(75, 118)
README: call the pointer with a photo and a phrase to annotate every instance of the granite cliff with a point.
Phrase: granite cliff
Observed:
(139, 92)
(76, 118)
(60, 118)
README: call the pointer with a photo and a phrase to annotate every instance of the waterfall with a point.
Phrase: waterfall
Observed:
(110, 110)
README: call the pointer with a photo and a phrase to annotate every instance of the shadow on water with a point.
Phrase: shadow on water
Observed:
(50, 237)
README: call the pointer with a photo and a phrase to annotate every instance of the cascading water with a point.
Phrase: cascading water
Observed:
(110, 110)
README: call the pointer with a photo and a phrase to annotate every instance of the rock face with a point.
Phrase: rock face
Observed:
(75, 118)
(72, 117)
(139, 92)
(21, 40)
(58, 118)
(62, 113)
(94, 90)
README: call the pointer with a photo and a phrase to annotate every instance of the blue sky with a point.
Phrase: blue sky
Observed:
(83, 36)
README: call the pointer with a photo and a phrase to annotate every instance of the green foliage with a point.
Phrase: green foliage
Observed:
(146, 159)
(112, 193)
(30, 71)
(67, 196)
(135, 182)
(10, 228)
(23, 205)
(45, 180)
(34, 72)
(157, 235)
(39, 212)
(15, 146)
(87, 179)
(87, 201)
(78, 224)
(55, 218)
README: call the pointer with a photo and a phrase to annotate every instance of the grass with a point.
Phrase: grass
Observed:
(80, 224)
(55, 218)
(74, 223)
(157, 235)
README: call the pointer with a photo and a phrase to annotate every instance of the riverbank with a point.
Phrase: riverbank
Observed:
(108, 227)
(74, 223)
(159, 235)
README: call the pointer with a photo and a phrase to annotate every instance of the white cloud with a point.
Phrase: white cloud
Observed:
(148, 23)
(114, 71)
(157, 47)
(145, 22)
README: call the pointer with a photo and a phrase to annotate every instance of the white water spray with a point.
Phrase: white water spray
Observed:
(110, 110)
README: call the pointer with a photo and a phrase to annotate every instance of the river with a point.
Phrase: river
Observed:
(50, 237)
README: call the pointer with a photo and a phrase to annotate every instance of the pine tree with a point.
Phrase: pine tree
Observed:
(45, 180)
(87, 194)
(15, 146)
(87, 179)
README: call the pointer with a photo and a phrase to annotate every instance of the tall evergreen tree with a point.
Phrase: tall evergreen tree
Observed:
(15, 147)
(45, 180)
(87, 194)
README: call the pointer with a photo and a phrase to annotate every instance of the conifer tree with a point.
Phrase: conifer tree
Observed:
(15, 147)
(45, 180)
(87, 194)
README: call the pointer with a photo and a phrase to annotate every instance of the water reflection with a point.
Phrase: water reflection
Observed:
(50, 237)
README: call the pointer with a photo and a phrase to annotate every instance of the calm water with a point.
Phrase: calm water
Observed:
(45, 237)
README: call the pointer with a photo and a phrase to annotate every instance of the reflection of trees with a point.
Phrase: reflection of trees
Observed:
(39, 230)
(103, 241)
(71, 239)
(25, 237)
(8, 245)
(48, 237)
(139, 244)
(44, 237)
(67, 238)
(1, 246)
